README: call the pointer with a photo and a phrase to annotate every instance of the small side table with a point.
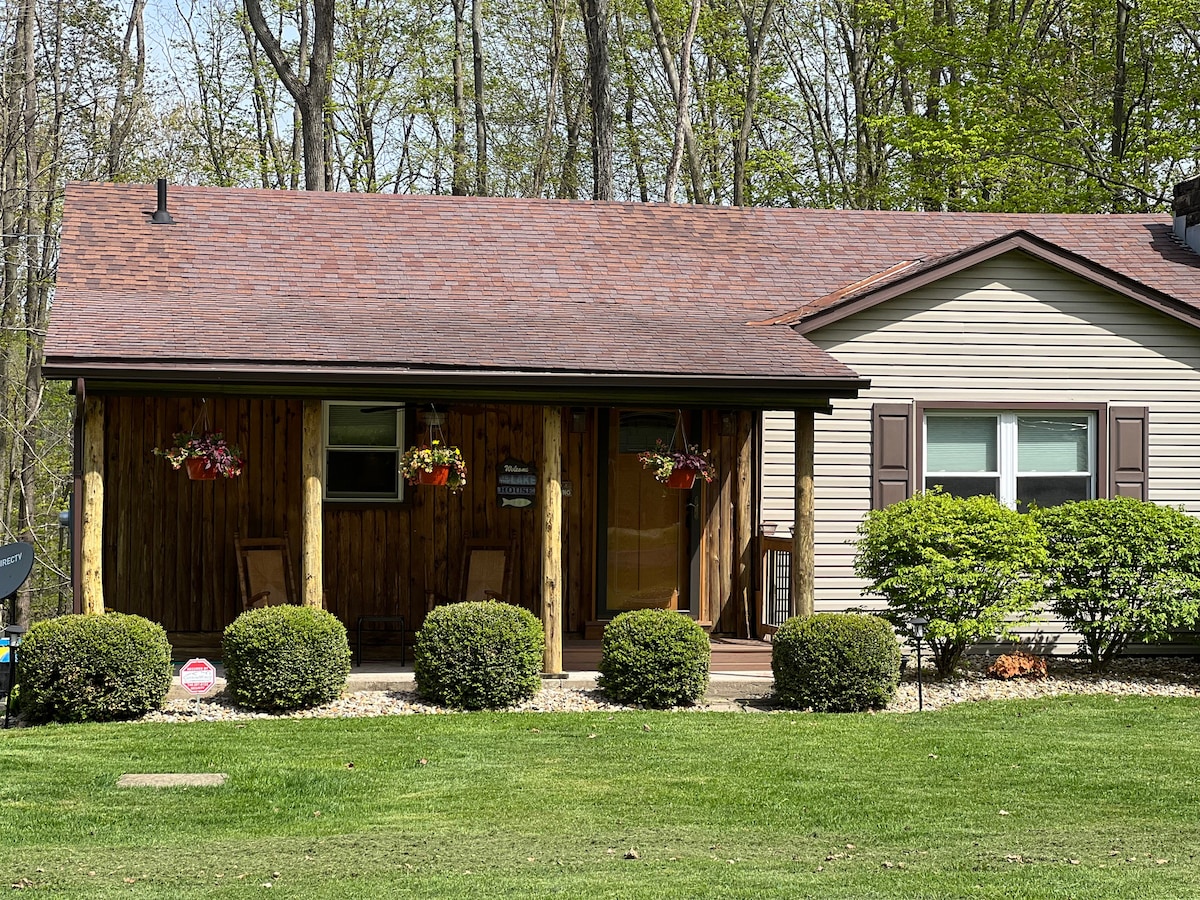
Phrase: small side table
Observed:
(359, 630)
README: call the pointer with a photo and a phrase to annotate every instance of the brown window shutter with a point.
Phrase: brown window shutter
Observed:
(891, 453)
(1128, 452)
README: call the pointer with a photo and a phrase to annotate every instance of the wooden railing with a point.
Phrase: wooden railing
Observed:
(775, 591)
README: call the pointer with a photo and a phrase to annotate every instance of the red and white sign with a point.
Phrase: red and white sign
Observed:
(197, 676)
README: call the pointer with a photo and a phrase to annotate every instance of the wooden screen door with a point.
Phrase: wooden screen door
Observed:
(647, 556)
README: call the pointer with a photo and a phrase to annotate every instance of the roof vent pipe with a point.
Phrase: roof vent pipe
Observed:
(161, 216)
(1186, 206)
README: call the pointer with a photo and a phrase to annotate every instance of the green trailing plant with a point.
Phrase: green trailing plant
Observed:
(93, 668)
(285, 657)
(1121, 570)
(654, 657)
(969, 565)
(479, 655)
(835, 662)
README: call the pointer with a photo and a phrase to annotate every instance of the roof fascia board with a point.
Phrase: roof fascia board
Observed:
(1031, 244)
(575, 389)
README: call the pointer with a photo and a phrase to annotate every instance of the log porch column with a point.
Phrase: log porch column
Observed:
(311, 551)
(552, 538)
(91, 544)
(803, 537)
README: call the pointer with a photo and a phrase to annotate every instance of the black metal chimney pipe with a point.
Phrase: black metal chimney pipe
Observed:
(161, 216)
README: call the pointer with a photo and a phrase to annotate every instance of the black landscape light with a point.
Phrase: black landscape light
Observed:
(12, 634)
(917, 626)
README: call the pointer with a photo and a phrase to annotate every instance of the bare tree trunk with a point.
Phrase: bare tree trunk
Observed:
(458, 148)
(635, 147)
(699, 194)
(682, 117)
(125, 105)
(756, 41)
(313, 95)
(595, 26)
(542, 164)
(271, 163)
(481, 154)
(568, 183)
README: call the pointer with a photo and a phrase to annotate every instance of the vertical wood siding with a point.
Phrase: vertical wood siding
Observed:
(1010, 330)
(169, 541)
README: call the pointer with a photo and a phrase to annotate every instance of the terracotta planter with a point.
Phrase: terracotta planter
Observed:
(440, 475)
(196, 470)
(681, 479)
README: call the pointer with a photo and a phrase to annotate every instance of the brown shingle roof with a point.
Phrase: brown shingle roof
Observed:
(262, 278)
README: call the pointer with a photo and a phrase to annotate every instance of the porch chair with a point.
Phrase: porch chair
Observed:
(486, 573)
(265, 574)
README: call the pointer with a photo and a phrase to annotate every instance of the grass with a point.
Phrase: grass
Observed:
(1054, 798)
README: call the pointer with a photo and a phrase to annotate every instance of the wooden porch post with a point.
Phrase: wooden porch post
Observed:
(91, 544)
(803, 538)
(552, 537)
(744, 519)
(311, 552)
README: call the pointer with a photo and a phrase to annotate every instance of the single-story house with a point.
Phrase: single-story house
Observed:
(828, 360)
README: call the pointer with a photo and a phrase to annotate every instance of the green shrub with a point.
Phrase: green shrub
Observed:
(285, 657)
(835, 662)
(967, 564)
(479, 655)
(654, 657)
(93, 668)
(1120, 570)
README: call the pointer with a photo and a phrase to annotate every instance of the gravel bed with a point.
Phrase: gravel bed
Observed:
(1134, 677)
(1146, 677)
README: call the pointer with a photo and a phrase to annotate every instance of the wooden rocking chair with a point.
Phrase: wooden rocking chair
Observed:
(265, 574)
(486, 573)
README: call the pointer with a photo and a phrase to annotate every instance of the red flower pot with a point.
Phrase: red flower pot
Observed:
(196, 470)
(682, 479)
(439, 475)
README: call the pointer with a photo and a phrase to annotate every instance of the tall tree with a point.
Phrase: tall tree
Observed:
(595, 27)
(306, 78)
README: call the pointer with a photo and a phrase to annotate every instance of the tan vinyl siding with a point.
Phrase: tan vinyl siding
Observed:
(1011, 330)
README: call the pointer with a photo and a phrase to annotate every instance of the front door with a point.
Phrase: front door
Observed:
(646, 541)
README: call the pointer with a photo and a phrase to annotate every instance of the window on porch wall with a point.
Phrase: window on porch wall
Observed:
(363, 444)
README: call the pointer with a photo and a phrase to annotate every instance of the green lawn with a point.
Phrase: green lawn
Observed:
(1088, 798)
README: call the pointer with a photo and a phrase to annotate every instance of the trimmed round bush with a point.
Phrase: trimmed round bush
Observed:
(654, 657)
(93, 668)
(835, 662)
(479, 655)
(285, 657)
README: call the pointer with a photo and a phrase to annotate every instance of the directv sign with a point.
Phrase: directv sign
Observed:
(16, 562)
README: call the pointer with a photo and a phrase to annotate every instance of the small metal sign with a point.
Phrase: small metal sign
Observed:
(16, 562)
(516, 483)
(197, 676)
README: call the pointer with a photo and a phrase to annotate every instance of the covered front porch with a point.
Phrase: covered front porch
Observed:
(594, 534)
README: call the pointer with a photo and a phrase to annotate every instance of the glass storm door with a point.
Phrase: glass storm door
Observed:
(646, 539)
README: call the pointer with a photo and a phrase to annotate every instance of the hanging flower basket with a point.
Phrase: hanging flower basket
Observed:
(677, 468)
(434, 463)
(205, 455)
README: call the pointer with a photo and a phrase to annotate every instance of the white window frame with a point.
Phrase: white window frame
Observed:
(398, 449)
(1006, 449)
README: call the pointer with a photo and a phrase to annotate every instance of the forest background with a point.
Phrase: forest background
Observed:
(982, 105)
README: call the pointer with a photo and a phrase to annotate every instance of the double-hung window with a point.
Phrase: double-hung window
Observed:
(363, 444)
(1018, 457)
